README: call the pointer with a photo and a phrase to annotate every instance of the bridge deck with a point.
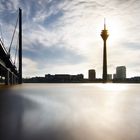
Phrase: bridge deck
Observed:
(5, 60)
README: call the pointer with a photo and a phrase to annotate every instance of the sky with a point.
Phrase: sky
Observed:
(63, 36)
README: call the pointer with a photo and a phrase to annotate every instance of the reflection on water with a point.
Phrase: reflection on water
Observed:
(114, 87)
(70, 112)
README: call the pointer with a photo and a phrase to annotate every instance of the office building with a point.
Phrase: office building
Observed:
(120, 72)
(91, 75)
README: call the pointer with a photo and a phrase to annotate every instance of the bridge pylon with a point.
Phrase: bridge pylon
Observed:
(20, 46)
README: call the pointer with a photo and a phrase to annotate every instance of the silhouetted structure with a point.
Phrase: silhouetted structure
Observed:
(109, 77)
(104, 35)
(120, 73)
(20, 46)
(64, 78)
(57, 78)
(91, 75)
(135, 79)
(8, 70)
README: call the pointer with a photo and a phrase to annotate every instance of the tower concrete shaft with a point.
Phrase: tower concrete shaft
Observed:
(104, 35)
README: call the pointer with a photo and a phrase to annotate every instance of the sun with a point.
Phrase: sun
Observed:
(115, 30)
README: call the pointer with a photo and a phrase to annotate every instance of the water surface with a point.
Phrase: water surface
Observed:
(70, 112)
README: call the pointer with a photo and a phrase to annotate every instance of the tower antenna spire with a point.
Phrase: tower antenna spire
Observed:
(104, 24)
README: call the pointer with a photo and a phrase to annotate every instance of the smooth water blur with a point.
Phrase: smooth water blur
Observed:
(70, 112)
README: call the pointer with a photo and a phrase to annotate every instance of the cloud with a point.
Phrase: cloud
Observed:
(10, 5)
(55, 55)
(67, 33)
(29, 67)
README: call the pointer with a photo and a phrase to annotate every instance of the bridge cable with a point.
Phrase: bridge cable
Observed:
(1, 34)
(16, 51)
(13, 35)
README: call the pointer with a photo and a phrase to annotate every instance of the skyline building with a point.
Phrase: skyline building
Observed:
(104, 35)
(64, 78)
(120, 72)
(109, 76)
(91, 74)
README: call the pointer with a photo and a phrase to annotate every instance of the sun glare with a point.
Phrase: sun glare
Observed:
(115, 30)
(113, 87)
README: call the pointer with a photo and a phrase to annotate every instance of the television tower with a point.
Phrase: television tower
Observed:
(104, 35)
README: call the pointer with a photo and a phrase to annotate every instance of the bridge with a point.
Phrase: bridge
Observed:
(11, 74)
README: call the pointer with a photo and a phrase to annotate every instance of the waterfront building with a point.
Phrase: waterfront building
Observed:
(109, 76)
(91, 75)
(121, 72)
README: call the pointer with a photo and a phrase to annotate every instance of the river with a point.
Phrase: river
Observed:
(70, 112)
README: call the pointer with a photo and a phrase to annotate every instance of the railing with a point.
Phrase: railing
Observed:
(6, 52)
(2, 63)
